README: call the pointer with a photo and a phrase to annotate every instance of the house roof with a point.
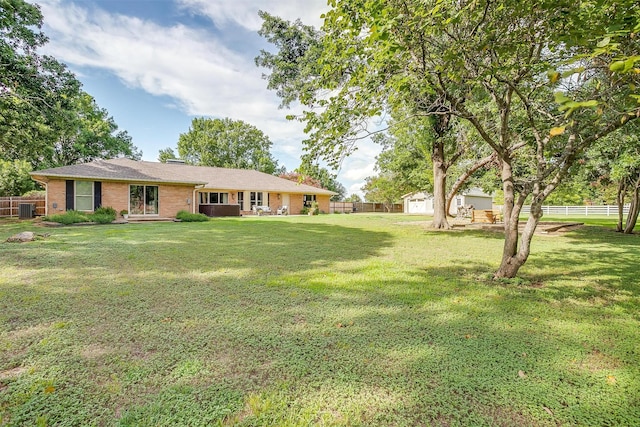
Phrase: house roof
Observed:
(128, 170)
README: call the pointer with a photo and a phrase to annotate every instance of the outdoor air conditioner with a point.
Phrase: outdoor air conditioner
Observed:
(26, 210)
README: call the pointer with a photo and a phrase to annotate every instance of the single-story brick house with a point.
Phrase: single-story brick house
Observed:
(422, 203)
(152, 189)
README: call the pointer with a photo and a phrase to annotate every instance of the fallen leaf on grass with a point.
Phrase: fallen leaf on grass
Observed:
(49, 389)
(521, 374)
(548, 411)
(611, 379)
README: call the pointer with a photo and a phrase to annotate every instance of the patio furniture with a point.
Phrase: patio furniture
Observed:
(283, 210)
(259, 210)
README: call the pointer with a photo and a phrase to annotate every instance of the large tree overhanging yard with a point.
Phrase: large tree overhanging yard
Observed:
(540, 82)
(329, 320)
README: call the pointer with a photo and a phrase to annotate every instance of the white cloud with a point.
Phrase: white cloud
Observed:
(245, 12)
(192, 66)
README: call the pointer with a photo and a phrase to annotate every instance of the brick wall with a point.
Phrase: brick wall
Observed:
(295, 202)
(323, 203)
(56, 191)
(172, 198)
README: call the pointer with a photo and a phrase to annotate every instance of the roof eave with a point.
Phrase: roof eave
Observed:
(102, 178)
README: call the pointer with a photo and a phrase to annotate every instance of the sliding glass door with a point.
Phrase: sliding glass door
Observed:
(143, 199)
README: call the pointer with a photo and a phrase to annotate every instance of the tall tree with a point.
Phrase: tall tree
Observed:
(36, 91)
(166, 154)
(383, 189)
(88, 133)
(316, 176)
(14, 178)
(525, 76)
(615, 160)
(45, 117)
(295, 70)
(227, 143)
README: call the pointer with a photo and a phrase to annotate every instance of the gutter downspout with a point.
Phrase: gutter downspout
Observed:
(46, 196)
(193, 199)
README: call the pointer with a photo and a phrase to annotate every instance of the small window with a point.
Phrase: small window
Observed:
(84, 195)
(308, 199)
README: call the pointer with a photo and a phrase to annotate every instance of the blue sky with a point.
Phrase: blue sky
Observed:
(157, 64)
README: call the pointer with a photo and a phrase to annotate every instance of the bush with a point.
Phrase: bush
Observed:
(69, 217)
(35, 194)
(102, 218)
(304, 211)
(103, 215)
(191, 217)
(105, 210)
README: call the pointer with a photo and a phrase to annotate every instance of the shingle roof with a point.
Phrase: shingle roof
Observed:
(214, 178)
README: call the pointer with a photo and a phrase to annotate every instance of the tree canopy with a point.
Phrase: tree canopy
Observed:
(227, 143)
(540, 82)
(45, 117)
(36, 91)
(14, 178)
(319, 177)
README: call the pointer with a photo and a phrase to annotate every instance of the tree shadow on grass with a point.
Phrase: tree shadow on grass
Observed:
(251, 321)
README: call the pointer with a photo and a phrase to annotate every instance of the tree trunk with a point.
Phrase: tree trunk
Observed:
(464, 177)
(439, 188)
(510, 263)
(622, 189)
(634, 209)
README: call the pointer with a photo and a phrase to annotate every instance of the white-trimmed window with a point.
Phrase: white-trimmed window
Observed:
(84, 195)
(214, 198)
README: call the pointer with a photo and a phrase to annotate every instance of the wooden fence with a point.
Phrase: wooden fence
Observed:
(354, 207)
(9, 206)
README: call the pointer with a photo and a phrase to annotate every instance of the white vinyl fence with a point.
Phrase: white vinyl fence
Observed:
(606, 210)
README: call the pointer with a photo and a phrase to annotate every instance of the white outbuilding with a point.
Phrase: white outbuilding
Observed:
(422, 203)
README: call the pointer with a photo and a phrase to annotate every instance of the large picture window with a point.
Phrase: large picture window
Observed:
(143, 199)
(84, 196)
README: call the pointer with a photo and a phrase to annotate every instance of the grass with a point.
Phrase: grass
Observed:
(326, 320)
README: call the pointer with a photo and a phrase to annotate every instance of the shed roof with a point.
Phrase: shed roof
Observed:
(128, 170)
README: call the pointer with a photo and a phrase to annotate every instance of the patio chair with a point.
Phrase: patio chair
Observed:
(283, 210)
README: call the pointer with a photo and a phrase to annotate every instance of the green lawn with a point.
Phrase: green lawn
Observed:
(329, 320)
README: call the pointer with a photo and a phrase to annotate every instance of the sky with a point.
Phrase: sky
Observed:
(154, 65)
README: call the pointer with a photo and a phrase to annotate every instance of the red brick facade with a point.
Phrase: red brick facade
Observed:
(172, 198)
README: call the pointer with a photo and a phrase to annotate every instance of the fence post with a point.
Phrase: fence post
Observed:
(11, 207)
(586, 210)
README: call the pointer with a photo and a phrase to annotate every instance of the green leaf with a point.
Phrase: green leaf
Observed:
(560, 98)
(617, 66)
(604, 42)
(573, 71)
